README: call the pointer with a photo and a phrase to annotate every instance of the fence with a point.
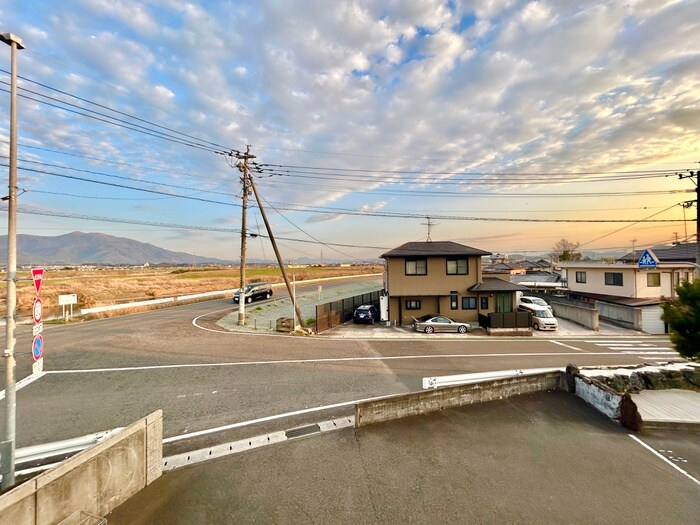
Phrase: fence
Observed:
(506, 320)
(338, 312)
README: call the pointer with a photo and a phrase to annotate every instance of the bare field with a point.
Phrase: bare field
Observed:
(103, 287)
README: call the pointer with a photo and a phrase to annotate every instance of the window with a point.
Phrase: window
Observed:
(457, 267)
(653, 279)
(412, 305)
(453, 300)
(468, 303)
(613, 278)
(416, 267)
(580, 277)
(484, 303)
(686, 276)
(676, 278)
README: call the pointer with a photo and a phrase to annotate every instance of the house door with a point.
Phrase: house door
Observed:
(504, 303)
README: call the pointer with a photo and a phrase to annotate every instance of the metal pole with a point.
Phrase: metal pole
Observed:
(697, 224)
(7, 447)
(244, 233)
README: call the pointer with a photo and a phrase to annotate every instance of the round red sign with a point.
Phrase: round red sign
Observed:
(38, 310)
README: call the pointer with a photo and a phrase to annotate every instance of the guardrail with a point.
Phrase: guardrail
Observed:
(465, 379)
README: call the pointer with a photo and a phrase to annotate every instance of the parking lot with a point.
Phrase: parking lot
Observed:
(539, 458)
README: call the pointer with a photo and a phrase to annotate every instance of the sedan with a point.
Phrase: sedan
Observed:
(366, 313)
(439, 323)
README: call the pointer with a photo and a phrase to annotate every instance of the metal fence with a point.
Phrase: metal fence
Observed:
(338, 312)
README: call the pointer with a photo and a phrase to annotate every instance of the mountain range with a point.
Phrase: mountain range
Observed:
(94, 248)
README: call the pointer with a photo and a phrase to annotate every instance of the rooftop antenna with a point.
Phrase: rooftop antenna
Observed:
(430, 225)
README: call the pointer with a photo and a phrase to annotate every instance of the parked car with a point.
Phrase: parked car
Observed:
(253, 292)
(439, 323)
(533, 302)
(542, 318)
(366, 313)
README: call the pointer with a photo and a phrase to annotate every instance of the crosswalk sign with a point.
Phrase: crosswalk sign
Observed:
(647, 260)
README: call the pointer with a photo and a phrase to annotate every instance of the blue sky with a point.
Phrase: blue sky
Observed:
(366, 117)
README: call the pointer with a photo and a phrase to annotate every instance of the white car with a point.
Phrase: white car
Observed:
(542, 319)
(533, 302)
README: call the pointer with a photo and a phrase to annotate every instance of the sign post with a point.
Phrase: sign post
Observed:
(38, 315)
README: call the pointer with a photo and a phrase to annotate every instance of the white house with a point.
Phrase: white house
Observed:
(625, 292)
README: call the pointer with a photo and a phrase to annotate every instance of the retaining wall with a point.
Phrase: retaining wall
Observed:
(587, 317)
(96, 480)
(415, 403)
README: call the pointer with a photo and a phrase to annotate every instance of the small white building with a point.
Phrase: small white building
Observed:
(626, 293)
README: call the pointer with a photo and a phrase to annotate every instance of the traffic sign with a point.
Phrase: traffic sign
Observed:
(38, 311)
(38, 367)
(37, 277)
(38, 347)
(38, 328)
(647, 260)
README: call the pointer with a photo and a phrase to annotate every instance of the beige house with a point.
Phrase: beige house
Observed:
(442, 277)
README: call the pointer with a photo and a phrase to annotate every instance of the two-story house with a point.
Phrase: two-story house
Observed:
(442, 277)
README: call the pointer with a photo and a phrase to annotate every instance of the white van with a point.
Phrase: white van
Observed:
(543, 319)
(531, 303)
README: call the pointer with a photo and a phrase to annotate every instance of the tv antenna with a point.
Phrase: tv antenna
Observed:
(430, 224)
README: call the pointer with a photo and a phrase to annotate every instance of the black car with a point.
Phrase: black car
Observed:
(366, 313)
(254, 291)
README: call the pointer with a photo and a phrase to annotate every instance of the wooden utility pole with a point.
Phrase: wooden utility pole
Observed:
(277, 253)
(245, 180)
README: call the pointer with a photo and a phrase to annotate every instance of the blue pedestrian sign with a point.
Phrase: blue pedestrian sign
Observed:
(38, 347)
(647, 260)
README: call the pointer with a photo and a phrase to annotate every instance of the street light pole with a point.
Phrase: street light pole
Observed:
(7, 447)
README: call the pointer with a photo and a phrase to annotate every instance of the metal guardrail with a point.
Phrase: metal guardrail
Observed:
(463, 379)
(36, 458)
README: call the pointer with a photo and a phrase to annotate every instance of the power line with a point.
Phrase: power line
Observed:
(114, 122)
(133, 117)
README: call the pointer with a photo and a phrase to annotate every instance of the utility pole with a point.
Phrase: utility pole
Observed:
(291, 292)
(7, 447)
(696, 175)
(245, 179)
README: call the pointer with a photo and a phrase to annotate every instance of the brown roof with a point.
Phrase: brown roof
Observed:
(433, 249)
(491, 284)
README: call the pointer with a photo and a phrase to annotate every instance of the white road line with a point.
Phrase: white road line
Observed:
(567, 346)
(661, 351)
(325, 360)
(241, 424)
(607, 342)
(23, 382)
(691, 478)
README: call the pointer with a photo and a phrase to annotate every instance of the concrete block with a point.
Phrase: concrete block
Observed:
(19, 504)
(154, 446)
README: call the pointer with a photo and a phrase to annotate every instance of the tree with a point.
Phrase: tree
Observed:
(683, 317)
(565, 250)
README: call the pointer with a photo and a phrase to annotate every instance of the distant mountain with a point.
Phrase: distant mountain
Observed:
(94, 248)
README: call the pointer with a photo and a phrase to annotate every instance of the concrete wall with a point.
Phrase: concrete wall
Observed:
(603, 398)
(96, 480)
(584, 316)
(415, 403)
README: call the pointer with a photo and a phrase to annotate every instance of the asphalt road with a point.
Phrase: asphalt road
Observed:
(107, 373)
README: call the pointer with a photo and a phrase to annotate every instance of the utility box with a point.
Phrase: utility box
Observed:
(285, 324)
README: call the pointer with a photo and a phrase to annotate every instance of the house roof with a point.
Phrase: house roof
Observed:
(680, 252)
(491, 284)
(614, 299)
(537, 278)
(432, 249)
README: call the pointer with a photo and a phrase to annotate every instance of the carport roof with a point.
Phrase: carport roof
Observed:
(491, 284)
(433, 249)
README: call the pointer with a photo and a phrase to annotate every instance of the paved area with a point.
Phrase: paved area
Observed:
(681, 406)
(541, 458)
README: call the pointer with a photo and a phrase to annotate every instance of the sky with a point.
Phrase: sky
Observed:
(504, 125)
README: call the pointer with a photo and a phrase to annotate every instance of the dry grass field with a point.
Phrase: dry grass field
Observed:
(101, 287)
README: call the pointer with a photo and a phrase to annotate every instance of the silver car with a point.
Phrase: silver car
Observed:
(439, 323)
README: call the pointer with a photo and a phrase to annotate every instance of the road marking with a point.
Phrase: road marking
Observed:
(241, 424)
(691, 478)
(24, 382)
(328, 360)
(567, 346)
